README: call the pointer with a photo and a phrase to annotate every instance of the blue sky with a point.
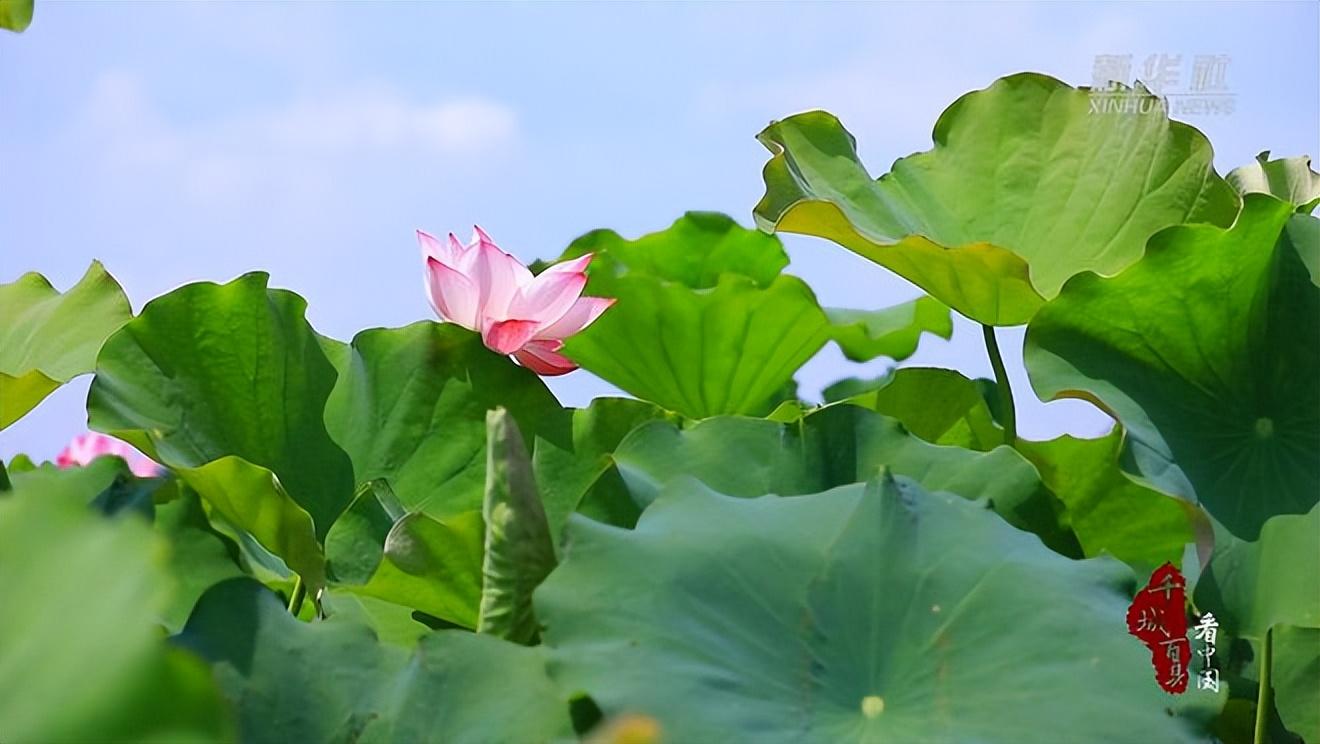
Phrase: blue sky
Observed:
(187, 141)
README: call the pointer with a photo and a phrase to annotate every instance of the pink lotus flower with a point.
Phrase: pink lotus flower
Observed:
(484, 289)
(87, 447)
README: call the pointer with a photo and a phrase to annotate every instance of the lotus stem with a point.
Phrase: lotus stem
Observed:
(296, 599)
(1007, 413)
(1264, 695)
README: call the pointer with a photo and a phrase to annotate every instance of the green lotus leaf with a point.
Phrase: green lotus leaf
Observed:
(868, 613)
(1236, 722)
(704, 324)
(695, 251)
(254, 559)
(81, 658)
(354, 546)
(893, 332)
(1303, 232)
(334, 681)
(410, 407)
(426, 564)
(1271, 585)
(1253, 586)
(573, 468)
(1110, 511)
(79, 485)
(939, 405)
(519, 552)
(15, 15)
(129, 494)
(574, 465)
(227, 385)
(681, 334)
(20, 463)
(25, 392)
(1296, 679)
(1205, 352)
(834, 446)
(1027, 185)
(1289, 179)
(392, 623)
(853, 387)
(253, 499)
(48, 338)
(199, 556)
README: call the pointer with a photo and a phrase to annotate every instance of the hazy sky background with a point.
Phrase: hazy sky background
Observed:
(178, 142)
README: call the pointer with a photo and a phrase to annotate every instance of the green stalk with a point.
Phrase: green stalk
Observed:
(296, 599)
(1006, 410)
(1264, 695)
(5, 485)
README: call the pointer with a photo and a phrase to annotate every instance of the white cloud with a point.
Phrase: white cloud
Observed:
(381, 121)
(294, 147)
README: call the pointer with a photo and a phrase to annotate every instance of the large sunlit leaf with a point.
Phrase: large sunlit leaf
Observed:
(869, 613)
(48, 338)
(227, 385)
(519, 553)
(704, 324)
(81, 654)
(410, 407)
(1027, 185)
(334, 681)
(1289, 179)
(1206, 352)
(837, 445)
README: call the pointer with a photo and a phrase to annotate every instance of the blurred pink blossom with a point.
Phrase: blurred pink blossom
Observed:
(87, 447)
(484, 289)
